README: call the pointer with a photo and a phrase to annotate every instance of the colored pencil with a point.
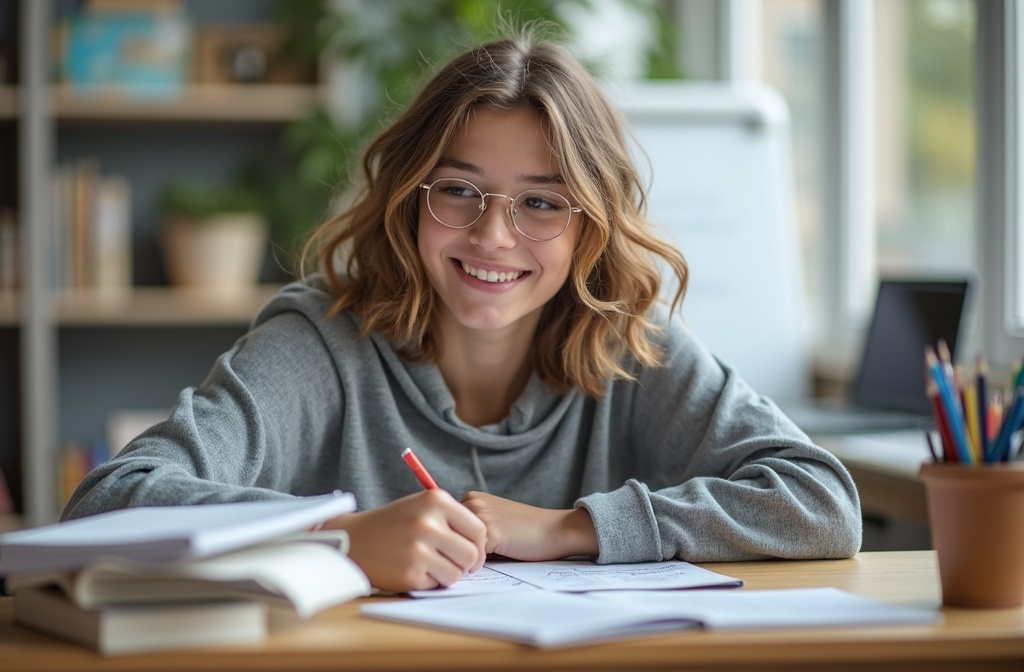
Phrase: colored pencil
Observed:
(995, 415)
(950, 402)
(941, 423)
(970, 401)
(931, 446)
(981, 384)
(1012, 420)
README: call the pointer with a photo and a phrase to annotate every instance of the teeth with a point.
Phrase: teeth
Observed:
(490, 276)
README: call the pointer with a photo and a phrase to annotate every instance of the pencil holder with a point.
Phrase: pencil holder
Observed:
(976, 516)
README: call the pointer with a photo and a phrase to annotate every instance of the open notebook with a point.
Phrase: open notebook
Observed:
(888, 391)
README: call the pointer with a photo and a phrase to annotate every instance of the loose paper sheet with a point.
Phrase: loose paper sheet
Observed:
(581, 575)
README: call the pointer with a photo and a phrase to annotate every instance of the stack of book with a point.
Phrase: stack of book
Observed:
(155, 578)
(92, 228)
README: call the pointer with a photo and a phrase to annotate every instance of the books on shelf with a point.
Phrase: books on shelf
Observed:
(92, 231)
(10, 271)
(164, 533)
(74, 461)
(112, 237)
(141, 627)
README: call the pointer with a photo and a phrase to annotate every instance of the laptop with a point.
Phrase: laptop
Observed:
(888, 390)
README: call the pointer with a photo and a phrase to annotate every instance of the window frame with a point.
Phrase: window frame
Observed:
(1000, 76)
(995, 320)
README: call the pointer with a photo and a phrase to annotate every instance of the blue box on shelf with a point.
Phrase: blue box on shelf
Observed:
(146, 54)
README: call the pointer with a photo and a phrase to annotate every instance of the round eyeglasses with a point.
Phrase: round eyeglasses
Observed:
(536, 213)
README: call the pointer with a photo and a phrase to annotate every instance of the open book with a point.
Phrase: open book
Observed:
(549, 619)
(304, 573)
(164, 533)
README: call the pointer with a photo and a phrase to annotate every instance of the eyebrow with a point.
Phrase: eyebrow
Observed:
(449, 162)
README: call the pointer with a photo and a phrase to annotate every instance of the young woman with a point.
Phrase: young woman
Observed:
(490, 300)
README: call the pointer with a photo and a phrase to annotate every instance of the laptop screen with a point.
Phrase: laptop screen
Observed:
(909, 315)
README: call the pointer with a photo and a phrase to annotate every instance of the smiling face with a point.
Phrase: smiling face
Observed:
(489, 277)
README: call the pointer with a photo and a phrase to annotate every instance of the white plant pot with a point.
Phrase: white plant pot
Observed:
(222, 254)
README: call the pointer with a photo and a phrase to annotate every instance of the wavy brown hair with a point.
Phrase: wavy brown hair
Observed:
(368, 253)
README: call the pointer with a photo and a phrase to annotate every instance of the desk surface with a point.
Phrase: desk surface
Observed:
(339, 639)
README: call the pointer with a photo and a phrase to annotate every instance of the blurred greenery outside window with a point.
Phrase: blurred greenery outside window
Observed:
(793, 62)
(925, 119)
(924, 128)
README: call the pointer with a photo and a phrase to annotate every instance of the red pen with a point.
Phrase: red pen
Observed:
(418, 469)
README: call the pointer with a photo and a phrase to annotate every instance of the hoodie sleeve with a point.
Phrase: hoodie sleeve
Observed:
(260, 426)
(723, 474)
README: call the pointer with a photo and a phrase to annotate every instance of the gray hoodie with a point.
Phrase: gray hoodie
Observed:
(684, 462)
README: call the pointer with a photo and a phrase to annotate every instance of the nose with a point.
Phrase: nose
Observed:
(494, 230)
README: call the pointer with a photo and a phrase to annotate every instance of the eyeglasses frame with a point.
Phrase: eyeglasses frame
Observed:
(573, 209)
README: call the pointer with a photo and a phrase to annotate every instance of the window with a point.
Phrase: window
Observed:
(1001, 178)
(925, 137)
(793, 62)
(882, 103)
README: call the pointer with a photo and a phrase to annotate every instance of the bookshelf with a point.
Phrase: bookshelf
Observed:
(71, 357)
(157, 306)
(200, 104)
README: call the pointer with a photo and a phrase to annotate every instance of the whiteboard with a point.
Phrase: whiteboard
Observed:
(717, 158)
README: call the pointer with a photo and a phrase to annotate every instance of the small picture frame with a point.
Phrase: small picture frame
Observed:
(249, 54)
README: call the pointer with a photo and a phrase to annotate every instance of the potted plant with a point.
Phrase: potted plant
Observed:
(214, 235)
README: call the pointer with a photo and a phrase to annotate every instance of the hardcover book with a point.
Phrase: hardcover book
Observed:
(141, 627)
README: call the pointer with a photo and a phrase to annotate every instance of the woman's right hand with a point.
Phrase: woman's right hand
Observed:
(417, 542)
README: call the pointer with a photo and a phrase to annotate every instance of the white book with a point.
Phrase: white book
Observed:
(550, 619)
(164, 533)
(112, 240)
(138, 628)
(304, 573)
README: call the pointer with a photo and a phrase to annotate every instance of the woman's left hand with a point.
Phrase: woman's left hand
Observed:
(524, 532)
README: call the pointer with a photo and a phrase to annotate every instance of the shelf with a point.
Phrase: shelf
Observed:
(160, 306)
(8, 102)
(259, 104)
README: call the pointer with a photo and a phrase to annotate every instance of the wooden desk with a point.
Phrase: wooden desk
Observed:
(884, 466)
(340, 640)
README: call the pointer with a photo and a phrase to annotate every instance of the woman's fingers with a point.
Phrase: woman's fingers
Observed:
(417, 542)
(470, 528)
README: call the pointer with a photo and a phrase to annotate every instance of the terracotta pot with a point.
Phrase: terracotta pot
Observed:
(976, 515)
(220, 254)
